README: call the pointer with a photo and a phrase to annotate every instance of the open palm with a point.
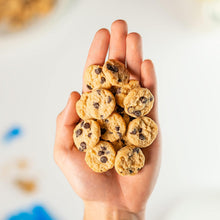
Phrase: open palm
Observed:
(129, 193)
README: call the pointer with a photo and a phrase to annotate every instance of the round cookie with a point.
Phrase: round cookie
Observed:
(116, 72)
(81, 106)
(142, 131)
(86, 134)
(100, 104)
(129, 160)
(95, 78)
(101, 157)
(138, 102)
(122, 92)
(113, 127)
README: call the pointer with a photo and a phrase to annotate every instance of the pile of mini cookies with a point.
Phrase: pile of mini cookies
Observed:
(114, 125)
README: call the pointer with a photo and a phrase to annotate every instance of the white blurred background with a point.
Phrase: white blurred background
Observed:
(39, 67)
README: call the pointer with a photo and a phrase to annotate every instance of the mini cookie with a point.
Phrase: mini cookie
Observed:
(86, 134)
(118, 144)
(95, 78)
(138, 102)
(100, 104)
(82, 106)
(101, 157)
(116, 72)
(142, 131)
(113, 127)
(122, 92)
(129, 160)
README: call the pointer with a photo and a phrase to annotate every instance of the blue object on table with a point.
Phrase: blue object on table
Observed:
(12, 133)
(38, 213)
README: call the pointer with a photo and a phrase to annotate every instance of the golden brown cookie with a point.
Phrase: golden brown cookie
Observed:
(122, 92)
(113, 127)
(138, 102)
(116, 72)
(129, 160)
(101, 157)
(142, 131)
(95, 78)
(97, 104)
(101, 104)
(86, 134)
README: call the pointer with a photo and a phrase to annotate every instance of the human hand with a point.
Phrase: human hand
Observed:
(109, 195)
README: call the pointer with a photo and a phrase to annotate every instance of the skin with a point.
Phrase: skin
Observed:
(110, 195)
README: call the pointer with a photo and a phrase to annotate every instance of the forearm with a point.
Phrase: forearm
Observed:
(100, 211)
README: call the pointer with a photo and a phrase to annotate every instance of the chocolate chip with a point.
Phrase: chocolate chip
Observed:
(106, 120)
(109, 99)
(112, 67)
(83, 144)
(103, 130)
(103, 148)
(134, 131)
(137, 113)
(98, 70)
(86, 125)
(117, 128)
(131, 171)
(96, 105)
(103, 80)
(82, 123)
(130, 109)
(141, 137)
(103, 159)
(89, 135)
(101, 116)
(151, 99)
(119, 134)
(119, 80)
(136, 150)
(78, 132)
(89, 87)
(100, 153)
(118, 91)
(98, 91)
(139, 130)
(143, 99)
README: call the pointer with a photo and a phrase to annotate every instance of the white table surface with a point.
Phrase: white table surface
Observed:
(39, 70)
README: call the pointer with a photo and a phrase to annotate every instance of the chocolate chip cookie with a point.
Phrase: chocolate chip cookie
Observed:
(113, 127)
(122, 92)
(95, 78)
(142, 131)
(97, 104)
(116, 72)
(138, 102)
(86, 134)
(129, 160)
(82, 106)
(101, 157)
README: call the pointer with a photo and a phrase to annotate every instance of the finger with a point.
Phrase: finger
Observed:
(66, 122)
(134, 55)
(98, 50)
(117, 48)
(148, 80)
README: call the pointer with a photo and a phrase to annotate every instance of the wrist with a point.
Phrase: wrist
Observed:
(103, 211)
